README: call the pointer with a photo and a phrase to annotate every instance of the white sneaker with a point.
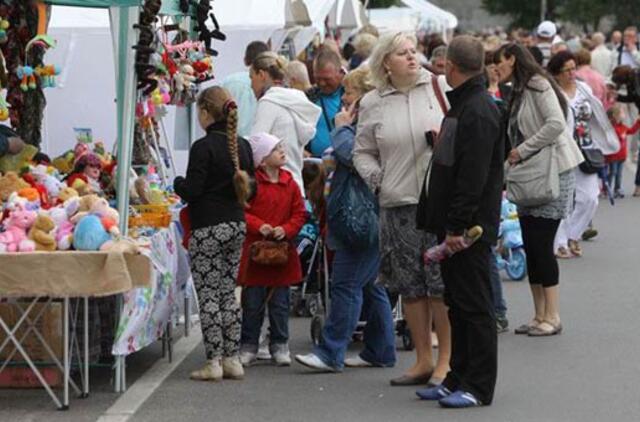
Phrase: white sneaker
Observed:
(281, 355)
(232, 368)
(212, 371)
(263, 351)
(357, 362)
(312, 361)
(247, 358)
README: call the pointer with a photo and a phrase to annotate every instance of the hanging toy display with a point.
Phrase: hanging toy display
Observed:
(203, 14)
(44, 74)
(4, 26)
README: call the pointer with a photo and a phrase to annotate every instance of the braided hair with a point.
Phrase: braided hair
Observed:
(218, 102)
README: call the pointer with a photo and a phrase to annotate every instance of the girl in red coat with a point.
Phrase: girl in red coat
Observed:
(616, 161)
(276, 213)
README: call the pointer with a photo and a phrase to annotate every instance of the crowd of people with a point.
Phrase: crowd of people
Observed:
(409, 143)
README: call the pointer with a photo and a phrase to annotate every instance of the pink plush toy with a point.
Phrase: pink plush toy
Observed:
(15, 239)
(64, 228)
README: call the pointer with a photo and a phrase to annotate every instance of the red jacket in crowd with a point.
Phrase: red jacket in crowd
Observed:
(622, 131)
(276, 204)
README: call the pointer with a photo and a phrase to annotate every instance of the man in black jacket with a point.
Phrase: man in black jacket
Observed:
(463, 189)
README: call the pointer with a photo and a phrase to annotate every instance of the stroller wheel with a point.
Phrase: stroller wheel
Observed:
(299, 306)
(317, 323)
(407, 341)
(516, 268)
(312, 306)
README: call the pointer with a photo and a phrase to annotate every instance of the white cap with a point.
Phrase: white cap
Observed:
(262, 144)
(547, 29)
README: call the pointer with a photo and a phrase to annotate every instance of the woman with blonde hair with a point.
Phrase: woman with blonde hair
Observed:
(217, 190)
(392, 152)
(356, 263)
(282, 112)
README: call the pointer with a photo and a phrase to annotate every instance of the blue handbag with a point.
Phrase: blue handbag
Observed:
(352, 211)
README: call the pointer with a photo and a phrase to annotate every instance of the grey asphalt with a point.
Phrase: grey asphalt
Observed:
(589, 373)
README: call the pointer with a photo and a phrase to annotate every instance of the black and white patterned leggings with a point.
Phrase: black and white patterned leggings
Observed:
(215, 257)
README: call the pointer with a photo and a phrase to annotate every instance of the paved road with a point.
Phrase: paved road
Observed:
(589, 373)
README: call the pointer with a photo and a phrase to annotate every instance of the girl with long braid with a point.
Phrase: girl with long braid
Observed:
(217, 190)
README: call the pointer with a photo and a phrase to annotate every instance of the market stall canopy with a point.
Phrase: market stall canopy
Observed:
(95, 3)
(395, 19)
(432, 17)
(347, 14)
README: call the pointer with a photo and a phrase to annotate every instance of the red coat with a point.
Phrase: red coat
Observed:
(622, 131)
(276, 204)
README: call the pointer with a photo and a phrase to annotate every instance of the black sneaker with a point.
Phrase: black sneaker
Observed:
(589, 234)
(502, 324)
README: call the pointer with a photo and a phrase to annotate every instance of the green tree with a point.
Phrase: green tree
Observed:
(587, 13)
(377, 4)
(627, 12)
(525, 14)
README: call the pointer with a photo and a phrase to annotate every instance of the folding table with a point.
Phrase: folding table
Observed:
(46, 277)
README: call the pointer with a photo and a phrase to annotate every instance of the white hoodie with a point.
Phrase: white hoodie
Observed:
(288, 114)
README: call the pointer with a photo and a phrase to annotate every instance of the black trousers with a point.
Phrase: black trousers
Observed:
(474, 341)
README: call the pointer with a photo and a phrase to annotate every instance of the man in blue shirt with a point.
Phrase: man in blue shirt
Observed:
(239, 85)
(328, 75)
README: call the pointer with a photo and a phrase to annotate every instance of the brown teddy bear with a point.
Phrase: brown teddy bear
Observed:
(42, 233)
(66, 193)
(10, 183)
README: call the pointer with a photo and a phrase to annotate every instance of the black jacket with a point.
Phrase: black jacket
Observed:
(633, 90)
(208, 187)
(466, 173)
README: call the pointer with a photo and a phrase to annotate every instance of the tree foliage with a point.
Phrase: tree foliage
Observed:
(377, 4)
(587, 13)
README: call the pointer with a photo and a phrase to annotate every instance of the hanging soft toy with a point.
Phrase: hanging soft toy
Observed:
(4, 25)
(4, 109)
(27, 78)
(47, 75)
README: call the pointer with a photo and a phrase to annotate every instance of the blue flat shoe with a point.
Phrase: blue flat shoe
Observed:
(433, 393)
(460, 400)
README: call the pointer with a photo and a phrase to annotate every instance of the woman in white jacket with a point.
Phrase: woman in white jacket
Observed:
(282, 112)
(591, 128)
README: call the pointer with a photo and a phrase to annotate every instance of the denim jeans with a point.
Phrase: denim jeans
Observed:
(354, 282)
(253, 308)
(499, 303)
(615, 174)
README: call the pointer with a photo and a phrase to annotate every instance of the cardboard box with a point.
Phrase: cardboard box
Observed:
(23, 377)
(49, 325)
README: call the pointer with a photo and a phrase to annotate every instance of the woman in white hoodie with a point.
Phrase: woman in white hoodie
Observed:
(282, 112)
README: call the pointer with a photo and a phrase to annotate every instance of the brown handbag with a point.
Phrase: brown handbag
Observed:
(270, 252)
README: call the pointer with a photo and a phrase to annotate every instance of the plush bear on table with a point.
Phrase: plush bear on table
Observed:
(96, 224)
(11, 183)
(41, 233)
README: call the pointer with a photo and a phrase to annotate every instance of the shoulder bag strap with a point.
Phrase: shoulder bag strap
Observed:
(439, 95)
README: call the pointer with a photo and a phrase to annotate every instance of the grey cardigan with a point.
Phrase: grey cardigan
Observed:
(542, 123)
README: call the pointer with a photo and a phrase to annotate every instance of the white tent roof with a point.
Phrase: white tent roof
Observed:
(432, 16)
(78, 17)
(395, 18)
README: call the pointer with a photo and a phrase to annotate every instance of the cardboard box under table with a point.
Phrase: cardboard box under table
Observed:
(41, 279)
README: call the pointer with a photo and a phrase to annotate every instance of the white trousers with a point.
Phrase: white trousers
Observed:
(584, 209)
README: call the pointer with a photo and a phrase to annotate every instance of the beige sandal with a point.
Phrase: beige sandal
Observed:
(526, 328)
(542, 331)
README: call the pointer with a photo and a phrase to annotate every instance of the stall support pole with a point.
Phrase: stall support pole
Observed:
(65, 354)
(123, 19)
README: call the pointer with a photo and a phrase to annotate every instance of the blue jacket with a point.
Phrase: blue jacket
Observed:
(330, 105)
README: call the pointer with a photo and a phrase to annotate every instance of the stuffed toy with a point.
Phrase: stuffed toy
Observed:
(184, 78)
(64, 228)
(42, 233)
(80, 185)
(4, 26)
(67, 193)
(14, 238)
(9, 184)
(47, 75)
(18, 161)
(94, 205)
(31, 196)
(45, 178)
(43, 194)
(64, 163)
(90, 235)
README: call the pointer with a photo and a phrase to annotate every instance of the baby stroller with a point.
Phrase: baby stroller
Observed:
(303, 296)
(510, 253)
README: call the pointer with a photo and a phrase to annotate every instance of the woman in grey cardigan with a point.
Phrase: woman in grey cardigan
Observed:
(392, 155)
(537, 119)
